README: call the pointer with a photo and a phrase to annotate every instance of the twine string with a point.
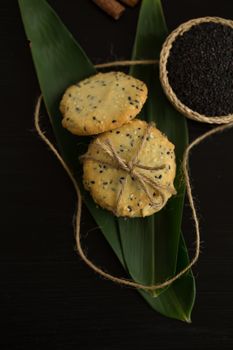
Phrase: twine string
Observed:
(126, 63)
(83, 256)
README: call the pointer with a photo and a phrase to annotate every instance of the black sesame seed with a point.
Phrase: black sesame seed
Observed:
(118, 132)
(94, 118)
(92, 182)
(200, 69)
(114, 121)
(105, 183)
(129, 208)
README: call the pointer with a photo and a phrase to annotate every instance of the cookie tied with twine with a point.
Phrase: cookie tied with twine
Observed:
(130, 170)
(210, 78)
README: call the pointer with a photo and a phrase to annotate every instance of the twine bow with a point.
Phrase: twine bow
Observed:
(131, 168)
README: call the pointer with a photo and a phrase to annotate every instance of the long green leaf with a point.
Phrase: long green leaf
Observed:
(162, 230)
(59, 62)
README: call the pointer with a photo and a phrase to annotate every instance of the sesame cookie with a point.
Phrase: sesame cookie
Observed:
(130, 170)
(102, 102)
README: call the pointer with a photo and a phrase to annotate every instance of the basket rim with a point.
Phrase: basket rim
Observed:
(163, 73)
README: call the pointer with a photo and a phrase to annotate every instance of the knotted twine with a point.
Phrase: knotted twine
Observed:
(131, 169)
(185, 163)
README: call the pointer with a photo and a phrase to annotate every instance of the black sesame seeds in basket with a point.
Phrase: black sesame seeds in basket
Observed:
(196, 68)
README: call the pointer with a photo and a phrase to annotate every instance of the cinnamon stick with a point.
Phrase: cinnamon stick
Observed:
(131, 3)
(112, 7)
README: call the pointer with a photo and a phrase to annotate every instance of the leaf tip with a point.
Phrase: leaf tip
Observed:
(188, 320)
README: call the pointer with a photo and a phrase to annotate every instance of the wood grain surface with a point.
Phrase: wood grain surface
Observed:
(48, 297)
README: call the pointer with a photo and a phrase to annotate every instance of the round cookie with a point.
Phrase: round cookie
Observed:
(102, 102)
(130, 170)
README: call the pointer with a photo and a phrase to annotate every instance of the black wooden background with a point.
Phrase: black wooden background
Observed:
(48, 296)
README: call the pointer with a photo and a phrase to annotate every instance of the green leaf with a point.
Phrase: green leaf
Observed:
(60, 62)
(147, 248)
(162, 230)
(178, 300)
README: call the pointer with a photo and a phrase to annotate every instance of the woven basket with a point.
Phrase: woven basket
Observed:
(164, 73)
